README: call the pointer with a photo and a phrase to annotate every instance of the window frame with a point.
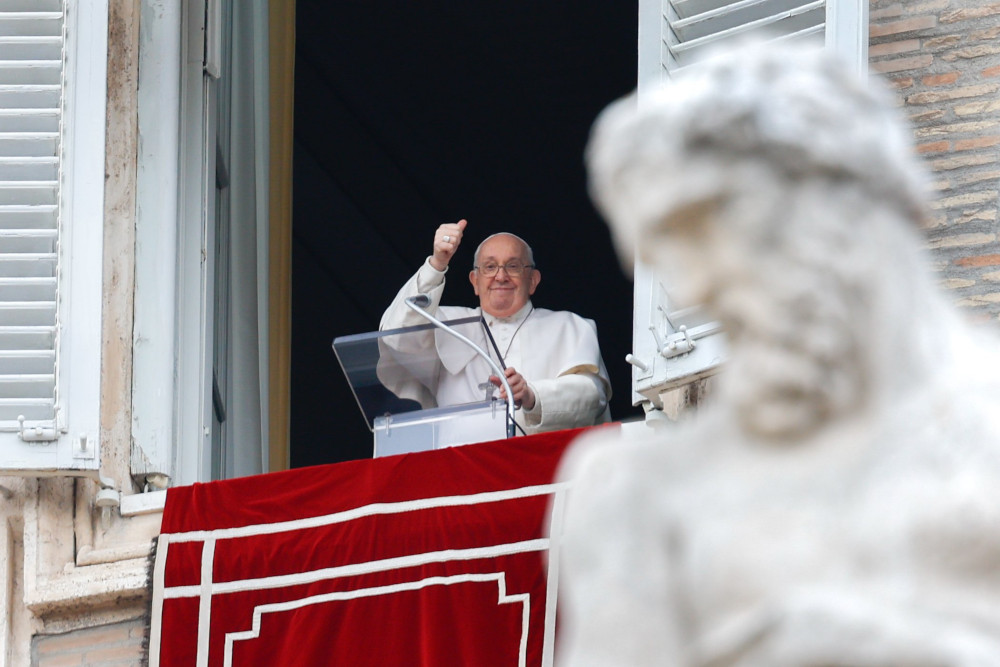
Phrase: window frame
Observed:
(185, 75)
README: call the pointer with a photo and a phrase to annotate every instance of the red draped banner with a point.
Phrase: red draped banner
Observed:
(431, 559)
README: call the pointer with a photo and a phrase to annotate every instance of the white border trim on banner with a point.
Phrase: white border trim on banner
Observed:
(206, 588)
(499, 577)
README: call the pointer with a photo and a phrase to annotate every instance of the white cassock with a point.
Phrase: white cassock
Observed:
(556, 352)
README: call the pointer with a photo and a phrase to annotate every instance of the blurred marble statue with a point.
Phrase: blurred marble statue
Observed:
(838, 503)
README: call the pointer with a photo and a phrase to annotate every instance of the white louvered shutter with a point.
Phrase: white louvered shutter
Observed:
(691, 26)
(30, 99)
(35, 249)
(673, 347)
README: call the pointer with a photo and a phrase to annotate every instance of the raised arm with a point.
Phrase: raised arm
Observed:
(429, 279)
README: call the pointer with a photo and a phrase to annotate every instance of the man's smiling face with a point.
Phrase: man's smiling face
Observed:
(502, 295)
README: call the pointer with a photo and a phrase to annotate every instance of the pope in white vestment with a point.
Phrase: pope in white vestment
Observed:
(552, 358)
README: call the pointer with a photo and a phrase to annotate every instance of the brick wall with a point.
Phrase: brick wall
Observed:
(115, 645)
(943, 57)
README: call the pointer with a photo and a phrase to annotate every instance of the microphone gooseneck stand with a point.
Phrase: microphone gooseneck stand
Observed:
(418, 303)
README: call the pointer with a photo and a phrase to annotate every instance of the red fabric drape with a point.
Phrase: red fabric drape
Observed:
(437, 558)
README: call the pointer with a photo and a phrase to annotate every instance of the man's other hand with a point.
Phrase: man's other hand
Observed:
(523, 396)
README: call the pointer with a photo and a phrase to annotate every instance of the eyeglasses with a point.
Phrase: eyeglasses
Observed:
(490, 269)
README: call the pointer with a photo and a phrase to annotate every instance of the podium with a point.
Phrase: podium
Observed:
(394, 374)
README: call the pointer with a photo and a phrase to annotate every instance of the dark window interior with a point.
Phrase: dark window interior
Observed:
(410, 114)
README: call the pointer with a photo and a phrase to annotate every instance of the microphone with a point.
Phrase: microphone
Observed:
(421, 300)
(417, 304)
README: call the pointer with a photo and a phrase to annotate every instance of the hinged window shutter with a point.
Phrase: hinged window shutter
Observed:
(672, 348)
(53, 90)
(691, 26)
(31, 59)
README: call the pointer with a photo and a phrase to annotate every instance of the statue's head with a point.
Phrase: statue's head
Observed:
(765, 184)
